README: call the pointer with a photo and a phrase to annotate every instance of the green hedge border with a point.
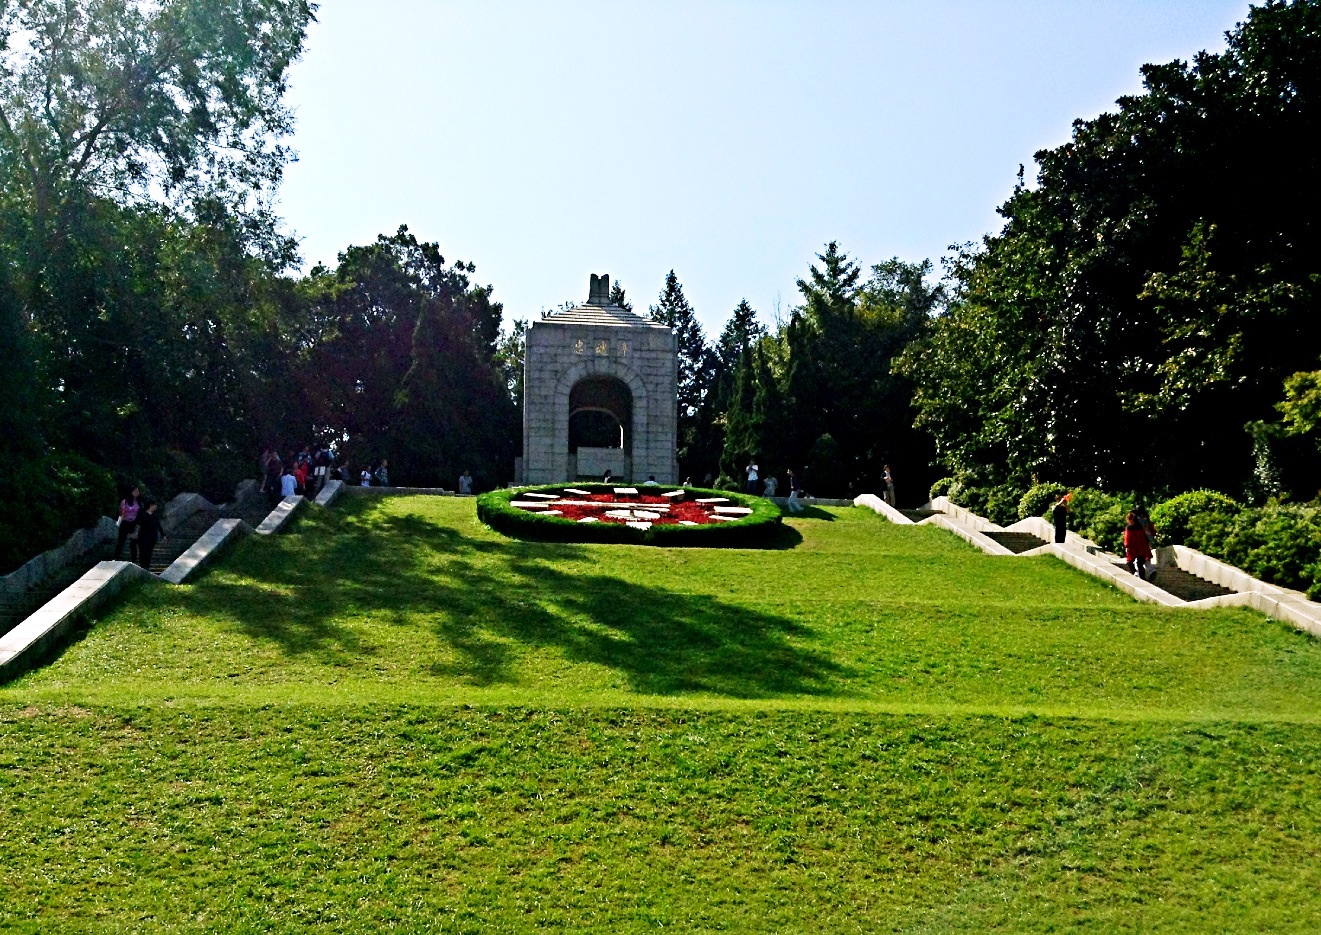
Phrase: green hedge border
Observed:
(756, 528)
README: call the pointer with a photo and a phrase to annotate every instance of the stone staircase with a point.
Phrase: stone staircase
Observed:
(1182, 584)
(1185, 585)
(180, 538)
(1017, 542)
(15, 608)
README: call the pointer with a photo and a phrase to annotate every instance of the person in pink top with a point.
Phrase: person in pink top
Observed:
(129, 508)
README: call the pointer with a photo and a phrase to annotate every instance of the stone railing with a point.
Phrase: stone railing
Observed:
(53, 561)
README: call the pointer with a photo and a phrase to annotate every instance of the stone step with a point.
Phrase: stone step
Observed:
(918, 515)
(1184, 584)
(1017, 542)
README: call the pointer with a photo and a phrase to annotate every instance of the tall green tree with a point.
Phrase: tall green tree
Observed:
(694, 366)
(1148, 295)
(398, 358)
(180, 98)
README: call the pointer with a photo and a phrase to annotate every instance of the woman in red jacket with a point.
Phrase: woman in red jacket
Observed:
(1137, 547)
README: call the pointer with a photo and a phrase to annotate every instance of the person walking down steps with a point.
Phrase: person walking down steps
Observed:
(129, 508)
(149, 533)
(1137, 547)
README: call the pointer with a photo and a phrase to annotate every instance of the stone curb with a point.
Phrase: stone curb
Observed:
(401, 491)
(329, 493)
(37, 636)
(280, 517)
(873, 502)
(201, 553)
(783, 502)
(967, 534)
(40, 567)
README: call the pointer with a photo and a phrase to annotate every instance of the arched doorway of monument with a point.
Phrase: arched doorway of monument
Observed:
(600, 427)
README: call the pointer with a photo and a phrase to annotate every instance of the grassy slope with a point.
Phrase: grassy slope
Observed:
(868, 731)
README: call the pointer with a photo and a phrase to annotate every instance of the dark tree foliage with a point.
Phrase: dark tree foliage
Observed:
(140, 144)
(707, 449)
(741, 332)
(821, 396)
(398, 359)
(1149, 295)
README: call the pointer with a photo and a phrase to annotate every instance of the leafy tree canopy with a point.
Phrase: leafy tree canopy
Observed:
(1150, 292)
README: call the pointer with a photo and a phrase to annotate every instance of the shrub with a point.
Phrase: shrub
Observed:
(941, 488)
(1173, 518)
(726, 483)
(1002, 504)
(1039, 499)
(495, 510)
(998, 504)
(1279, 543)
(1100, 516)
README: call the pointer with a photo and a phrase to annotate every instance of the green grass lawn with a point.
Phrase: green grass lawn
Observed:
(394, 717)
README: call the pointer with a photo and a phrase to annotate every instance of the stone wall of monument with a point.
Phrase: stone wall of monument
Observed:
(560, 353)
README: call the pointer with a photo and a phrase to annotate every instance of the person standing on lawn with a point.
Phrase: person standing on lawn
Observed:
(795, 492)
(889, 486)
(753, 473)
(465, 483)
(150, 532)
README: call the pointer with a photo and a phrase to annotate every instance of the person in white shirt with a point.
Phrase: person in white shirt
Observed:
(753, 473)
(651, 481)
(366, 477)
(288, 484)
(465, 482)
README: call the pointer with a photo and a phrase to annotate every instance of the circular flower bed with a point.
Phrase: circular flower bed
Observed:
(646, 515)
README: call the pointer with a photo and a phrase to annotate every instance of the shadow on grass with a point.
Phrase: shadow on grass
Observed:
(811, 512)
(486, 599)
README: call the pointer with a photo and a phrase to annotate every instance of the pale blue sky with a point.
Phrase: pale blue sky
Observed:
(730, 141)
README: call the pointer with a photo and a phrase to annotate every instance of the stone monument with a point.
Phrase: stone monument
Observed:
(599, 393)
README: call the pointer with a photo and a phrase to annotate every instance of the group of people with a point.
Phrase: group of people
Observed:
(1139, 536)
(303, 472)
(139, 527)
(378, 476)
(769, 486)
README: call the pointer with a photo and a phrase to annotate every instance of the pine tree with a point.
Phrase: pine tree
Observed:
(618, 297)
(743, 430)
(832, 291)
(741, 332)
(694, 364)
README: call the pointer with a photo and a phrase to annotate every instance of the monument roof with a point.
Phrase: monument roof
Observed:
(613, 316)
